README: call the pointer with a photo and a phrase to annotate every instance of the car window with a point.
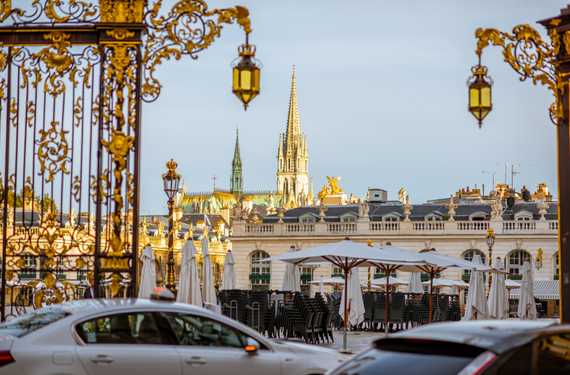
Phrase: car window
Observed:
(554, 354)
(377, 361)
(516, 362)
(125, 328)
(201, 331)
(33, 321)
(411, 357)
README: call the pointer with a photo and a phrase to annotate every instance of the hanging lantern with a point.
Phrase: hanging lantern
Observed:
(246, 74)
(480, 99)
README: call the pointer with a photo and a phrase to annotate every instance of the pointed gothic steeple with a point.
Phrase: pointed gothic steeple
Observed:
(236, 183)
(292, 156)
(293, 120)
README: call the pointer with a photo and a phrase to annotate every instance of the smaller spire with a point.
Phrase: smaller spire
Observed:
(236, 182)
(237, 154)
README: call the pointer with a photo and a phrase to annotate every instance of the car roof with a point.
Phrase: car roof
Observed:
(495, 335)
(87, 308)
(99, 305)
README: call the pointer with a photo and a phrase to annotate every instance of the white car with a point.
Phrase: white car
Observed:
(113, 337)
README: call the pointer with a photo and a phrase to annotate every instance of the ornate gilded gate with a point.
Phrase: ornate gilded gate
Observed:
(72, 78)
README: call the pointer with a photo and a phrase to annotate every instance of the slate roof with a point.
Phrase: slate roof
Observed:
(377, 211)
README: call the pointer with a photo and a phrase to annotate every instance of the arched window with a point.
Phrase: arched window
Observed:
(515, 261)
(30, 267)
(391, 218)
(306, 277)
(260, 270)
(337, 272)
(523, 216)
(432, 217)
(468, 255)
(478, 216)
(348, 218)
(556, 262)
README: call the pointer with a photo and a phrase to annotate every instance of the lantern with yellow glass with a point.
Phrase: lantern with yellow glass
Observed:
(246, 74)
(480, 99)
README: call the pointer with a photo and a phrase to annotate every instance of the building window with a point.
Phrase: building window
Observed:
(468, 255)
(260, 270)
(30, 267)
(556, 266)
(307, 219)
(433, 218)
(390, 218)
(478, 216)
(523, 216)
(337, 272)
(306, 275)
(348, 219)
(515, 261)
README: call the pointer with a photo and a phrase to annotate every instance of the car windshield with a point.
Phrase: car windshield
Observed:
(33, 321)
(411, 357)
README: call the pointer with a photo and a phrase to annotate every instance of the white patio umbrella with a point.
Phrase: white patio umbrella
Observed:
(437, 263)
(355, 301)
(189, 282)
(209, 291)
(229, 278)
(476, 308)
(497, 304)
(527, 306)
(415, 284)
(512, 284)
(348, 255)
(447, 283)
(148, 273)
(393, 281)
(331, 281)
(292, 277)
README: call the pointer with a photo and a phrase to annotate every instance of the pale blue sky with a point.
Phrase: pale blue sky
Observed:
(382, 99)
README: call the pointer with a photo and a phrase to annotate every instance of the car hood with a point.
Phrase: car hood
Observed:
(300, 348)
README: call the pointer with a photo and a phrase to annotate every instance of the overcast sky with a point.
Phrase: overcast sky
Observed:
(382, 98)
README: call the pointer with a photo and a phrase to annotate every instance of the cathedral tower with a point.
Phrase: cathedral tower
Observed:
(293, 157)
(236, 183)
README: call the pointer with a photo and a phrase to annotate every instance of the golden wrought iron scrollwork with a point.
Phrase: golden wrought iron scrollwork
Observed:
(189, 28)
(53, 151)
(122, 11)
(5, 9)
(55, 11)
(529, 55)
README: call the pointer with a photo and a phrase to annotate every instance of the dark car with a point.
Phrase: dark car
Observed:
(468, 348)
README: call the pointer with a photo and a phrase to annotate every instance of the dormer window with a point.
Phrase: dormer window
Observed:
(393, 217)
(433, 217)
(523, 216)
(348, 218)
(478, 216)
(307, 218)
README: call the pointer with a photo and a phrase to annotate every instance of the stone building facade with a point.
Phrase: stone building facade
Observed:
(524, 230)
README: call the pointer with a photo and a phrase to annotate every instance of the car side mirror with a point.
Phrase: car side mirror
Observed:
(251, 346)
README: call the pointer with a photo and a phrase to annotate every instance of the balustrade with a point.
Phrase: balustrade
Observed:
(341, 227)
(384, 226)
(519, 226)
(395, 227)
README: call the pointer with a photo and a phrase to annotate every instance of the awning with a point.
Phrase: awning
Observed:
(543, 289)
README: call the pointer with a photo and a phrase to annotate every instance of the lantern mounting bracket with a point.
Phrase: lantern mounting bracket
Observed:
(530, 56)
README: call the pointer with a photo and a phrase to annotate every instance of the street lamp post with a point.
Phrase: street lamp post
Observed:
(547, 63)
(171, 180)
(490, 239)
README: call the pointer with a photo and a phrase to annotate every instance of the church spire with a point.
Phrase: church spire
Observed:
(293, 121)
(236, 183)
(292, 156)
